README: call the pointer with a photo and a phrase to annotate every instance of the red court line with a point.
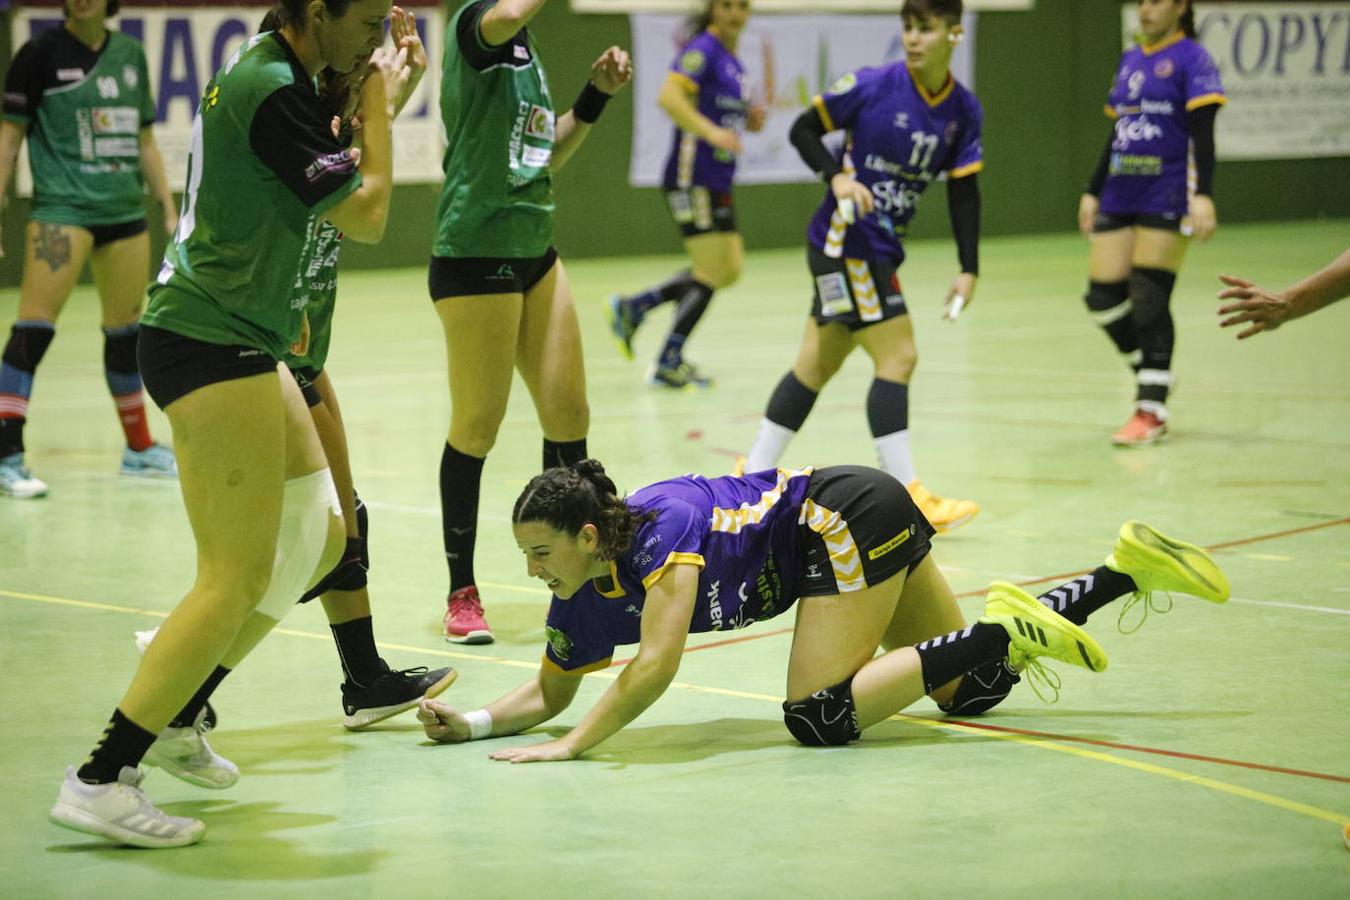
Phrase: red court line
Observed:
(1137, 749)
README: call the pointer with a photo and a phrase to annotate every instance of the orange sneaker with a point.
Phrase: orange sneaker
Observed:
(464, 622)
(942, 513)
(1144, 428)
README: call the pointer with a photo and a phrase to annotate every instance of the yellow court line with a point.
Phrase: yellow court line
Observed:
(1200, 780)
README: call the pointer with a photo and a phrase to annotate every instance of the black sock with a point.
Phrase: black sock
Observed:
(1150, 300)
(188, 714)
(887, 407)
(693, 304)
(672, 289)
(461, 476)
(1109, 304)
(361, 663)
(1080, 598)
(561, 454)
(11, 436)
(790, 403)
(949, 656)
(123, 744)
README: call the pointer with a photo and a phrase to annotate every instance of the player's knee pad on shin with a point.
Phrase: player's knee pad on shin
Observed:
(982, 689)
(827, 718)
(1150, 294)
(119, 348)
(309, 502)
(27, 345)
(1108, 301)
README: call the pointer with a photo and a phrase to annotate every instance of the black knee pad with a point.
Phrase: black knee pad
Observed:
(982, 689)
(348, 575)
(826, 718)
(1104, 296)
(119, 348)
(1150, 295)
(27, 345)
(363, 531)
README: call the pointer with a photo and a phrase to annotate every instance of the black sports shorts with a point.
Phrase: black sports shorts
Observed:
(174, 366)
(471, 276)
(698, 210)
(853, 292)
(861, 527)
(1117, 221)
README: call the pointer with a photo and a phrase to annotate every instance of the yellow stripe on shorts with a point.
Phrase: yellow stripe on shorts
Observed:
(844, 556)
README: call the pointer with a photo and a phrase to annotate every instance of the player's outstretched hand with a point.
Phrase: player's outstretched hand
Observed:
(549, 751)
(1264, 310)
(388, 78)
(612, 70)
(442, 722)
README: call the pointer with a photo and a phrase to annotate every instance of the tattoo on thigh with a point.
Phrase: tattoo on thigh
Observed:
(52, 246)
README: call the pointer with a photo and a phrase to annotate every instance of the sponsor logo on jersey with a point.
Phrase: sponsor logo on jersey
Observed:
(520, 51)
(1132, 130)
(211, 97)
(882, 550)
(845, 84)
(69, 74)
(329, 162)
(540, 124)
(715, 606)
(130, 77)
(115, 120)
(560, 643)
(693, 62)
(902, 120)
(1164, 68)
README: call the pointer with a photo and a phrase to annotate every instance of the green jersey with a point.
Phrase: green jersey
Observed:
(497, 199)
(317, 288)
(84, 110)
(263, 168)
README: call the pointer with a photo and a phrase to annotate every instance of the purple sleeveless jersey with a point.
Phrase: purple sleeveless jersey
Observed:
(1150, 155)
(900, 139)
(741, 531)
(709, 66)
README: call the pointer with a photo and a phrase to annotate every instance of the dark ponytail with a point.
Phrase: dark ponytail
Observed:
(699, 22)
(1187, 21)
(568, 499)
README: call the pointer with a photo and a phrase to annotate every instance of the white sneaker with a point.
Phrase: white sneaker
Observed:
(184, 753)
(17, 481)
(121, 811)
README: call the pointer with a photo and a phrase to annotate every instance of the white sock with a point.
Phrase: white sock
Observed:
(893, 456)
(769, 445)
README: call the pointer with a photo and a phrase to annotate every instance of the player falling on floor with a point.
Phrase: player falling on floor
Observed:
(1140, 208)
(704, 95)
(907, 123)
(845, 544)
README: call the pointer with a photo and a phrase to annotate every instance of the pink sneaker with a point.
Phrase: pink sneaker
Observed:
(1143, 428)
(464, 622)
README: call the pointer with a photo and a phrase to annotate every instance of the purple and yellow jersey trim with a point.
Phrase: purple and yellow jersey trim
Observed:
(673, 558)
(963, 171)
(1206, 100)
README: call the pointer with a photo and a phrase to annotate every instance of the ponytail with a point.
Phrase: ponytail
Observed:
(1187, 21)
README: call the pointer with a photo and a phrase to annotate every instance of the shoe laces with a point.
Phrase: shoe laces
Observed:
(466, 597)
(1044, 681)
(407, 674)
(1142, 601)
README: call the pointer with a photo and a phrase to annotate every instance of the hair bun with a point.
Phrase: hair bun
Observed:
(593, 471)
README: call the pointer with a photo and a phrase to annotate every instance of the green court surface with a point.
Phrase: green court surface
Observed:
(1210, 760)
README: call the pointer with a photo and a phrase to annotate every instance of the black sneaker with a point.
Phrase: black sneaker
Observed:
(390, 694)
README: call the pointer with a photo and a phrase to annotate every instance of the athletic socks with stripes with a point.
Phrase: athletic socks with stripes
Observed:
(949, 656)
(1076, 600)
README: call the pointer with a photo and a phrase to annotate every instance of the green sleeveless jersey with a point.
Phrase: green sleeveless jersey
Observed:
(497, 199)
(84, 110)
(263, 167)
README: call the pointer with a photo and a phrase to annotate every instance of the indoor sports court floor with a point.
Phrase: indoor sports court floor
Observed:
(1210, 760)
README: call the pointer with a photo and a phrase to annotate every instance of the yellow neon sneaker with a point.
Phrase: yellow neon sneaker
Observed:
(1037, 630)
(942, 513)
(1156, 562)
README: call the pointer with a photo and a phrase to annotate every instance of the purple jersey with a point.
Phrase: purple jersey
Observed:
(741, 531)
(719, 78)
(1154, 89)
(900, 138)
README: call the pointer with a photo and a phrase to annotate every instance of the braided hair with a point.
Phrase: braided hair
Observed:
(572, 497)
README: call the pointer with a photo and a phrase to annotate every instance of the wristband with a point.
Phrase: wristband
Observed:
(589, 104)
(480, 724)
